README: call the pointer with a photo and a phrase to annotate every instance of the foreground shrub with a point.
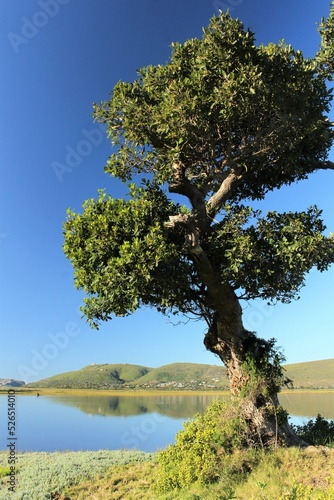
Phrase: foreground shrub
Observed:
(318, 432)
(211, 447)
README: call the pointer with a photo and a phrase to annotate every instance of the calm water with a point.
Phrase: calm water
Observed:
(146, 423)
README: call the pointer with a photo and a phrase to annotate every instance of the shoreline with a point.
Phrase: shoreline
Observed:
(32, 391)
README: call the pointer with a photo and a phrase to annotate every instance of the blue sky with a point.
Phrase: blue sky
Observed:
(60, 56)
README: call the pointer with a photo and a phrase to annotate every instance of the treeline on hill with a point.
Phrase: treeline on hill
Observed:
(309, 375)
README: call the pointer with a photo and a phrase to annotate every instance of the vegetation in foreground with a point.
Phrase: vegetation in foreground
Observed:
(214, 457)
(285, 473)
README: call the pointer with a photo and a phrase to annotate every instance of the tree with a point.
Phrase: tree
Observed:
(221, 124)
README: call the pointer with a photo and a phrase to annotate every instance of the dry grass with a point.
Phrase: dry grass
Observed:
(283, 474)
(133, 481)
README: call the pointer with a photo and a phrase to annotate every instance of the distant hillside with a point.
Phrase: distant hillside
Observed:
(310, 375)
(95, 377)
(191, 375)
(10, 382)
(175, 375)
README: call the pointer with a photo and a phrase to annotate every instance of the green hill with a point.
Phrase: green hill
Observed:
(190, 374)
(95, 377)
(312, 374)
(309, 375)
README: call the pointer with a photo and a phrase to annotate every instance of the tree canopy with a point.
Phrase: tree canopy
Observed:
(222, 123)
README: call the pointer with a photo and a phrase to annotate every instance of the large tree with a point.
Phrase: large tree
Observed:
(222, 123)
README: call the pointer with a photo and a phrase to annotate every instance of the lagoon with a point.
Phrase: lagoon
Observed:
(147, 422)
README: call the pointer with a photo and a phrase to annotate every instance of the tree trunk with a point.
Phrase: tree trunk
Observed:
(255, 379)
(253, 365)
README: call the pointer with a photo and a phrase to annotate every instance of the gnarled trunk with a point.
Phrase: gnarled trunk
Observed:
(254, 372)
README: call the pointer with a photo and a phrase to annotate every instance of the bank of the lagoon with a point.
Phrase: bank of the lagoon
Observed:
(289, 474)
(29, 391)
(49, 391)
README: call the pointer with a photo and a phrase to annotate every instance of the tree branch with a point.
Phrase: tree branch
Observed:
(223, 193)
(181, 185)
(325, 165)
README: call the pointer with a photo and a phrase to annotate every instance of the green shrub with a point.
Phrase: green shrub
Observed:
(211, 447)
(316, 432)
(4, 471)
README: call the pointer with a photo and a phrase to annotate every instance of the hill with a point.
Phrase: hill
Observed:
(191, 375)
(95, 377)
(10, 382)
(117, 376)
(312, 374)
(309, 375)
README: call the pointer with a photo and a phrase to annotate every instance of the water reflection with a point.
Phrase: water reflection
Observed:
(307, 404)
(173, 406)
(148, 423)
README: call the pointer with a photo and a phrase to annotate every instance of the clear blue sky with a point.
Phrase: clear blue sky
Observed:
(58, 57)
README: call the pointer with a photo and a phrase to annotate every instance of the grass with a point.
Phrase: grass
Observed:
(290, 474)
(133, 481)
(282, 474)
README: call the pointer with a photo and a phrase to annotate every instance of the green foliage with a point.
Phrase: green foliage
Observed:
(124, 257)
(316, 432)
(209, 448)
(325, 56)
(263, 369)
(4, 471)
(220, 97)
(238, 120)
(253, 256)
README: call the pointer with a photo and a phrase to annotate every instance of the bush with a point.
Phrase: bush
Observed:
(318, 432)
(211, 447)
